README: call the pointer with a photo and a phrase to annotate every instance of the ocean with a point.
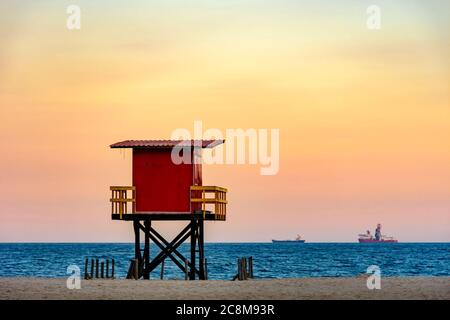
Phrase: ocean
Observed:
(270, 260)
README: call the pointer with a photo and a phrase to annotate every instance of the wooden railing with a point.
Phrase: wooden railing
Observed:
(219, 201)
(120, 198)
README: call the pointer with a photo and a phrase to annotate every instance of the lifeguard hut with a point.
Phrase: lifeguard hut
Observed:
(164, 190)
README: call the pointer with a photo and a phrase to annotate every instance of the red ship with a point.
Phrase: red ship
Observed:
(379, 238)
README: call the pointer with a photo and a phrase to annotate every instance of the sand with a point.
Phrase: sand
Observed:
(304, 288)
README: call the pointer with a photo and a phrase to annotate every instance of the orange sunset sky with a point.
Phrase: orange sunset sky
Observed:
(364, 115)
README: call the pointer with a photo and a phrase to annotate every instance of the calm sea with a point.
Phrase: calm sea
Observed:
(270, 260)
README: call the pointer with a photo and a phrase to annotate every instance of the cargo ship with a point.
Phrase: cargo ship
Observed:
(379, 238)
(296, 240)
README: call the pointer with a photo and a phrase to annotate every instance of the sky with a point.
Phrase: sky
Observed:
(363, 115)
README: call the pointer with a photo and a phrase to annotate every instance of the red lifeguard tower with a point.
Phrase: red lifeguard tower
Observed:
(163, 190)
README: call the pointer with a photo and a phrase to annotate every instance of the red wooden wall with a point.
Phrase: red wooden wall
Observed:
(161, 185)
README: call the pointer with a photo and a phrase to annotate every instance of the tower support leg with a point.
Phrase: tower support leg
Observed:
(193, 248)
(194, 230)
(201, 249)
(147, 226)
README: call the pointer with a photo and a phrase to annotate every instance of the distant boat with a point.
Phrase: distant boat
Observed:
(379, 238)
(296, 240)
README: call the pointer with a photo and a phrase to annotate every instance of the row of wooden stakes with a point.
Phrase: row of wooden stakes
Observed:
(244, 268)
(98, 269)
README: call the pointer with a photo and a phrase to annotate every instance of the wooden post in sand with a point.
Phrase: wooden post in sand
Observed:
(239, 274)
(239, 264)
(112, 268)
(102, 269)
(107, 268)
(96, 268)
(92, 268)
(244, 267)
(136, 269)
(206, 269)
(250, 267)
(185, 269)
(86, 275)
(162, 269)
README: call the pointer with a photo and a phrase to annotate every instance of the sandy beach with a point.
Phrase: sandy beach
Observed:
(305, 288)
